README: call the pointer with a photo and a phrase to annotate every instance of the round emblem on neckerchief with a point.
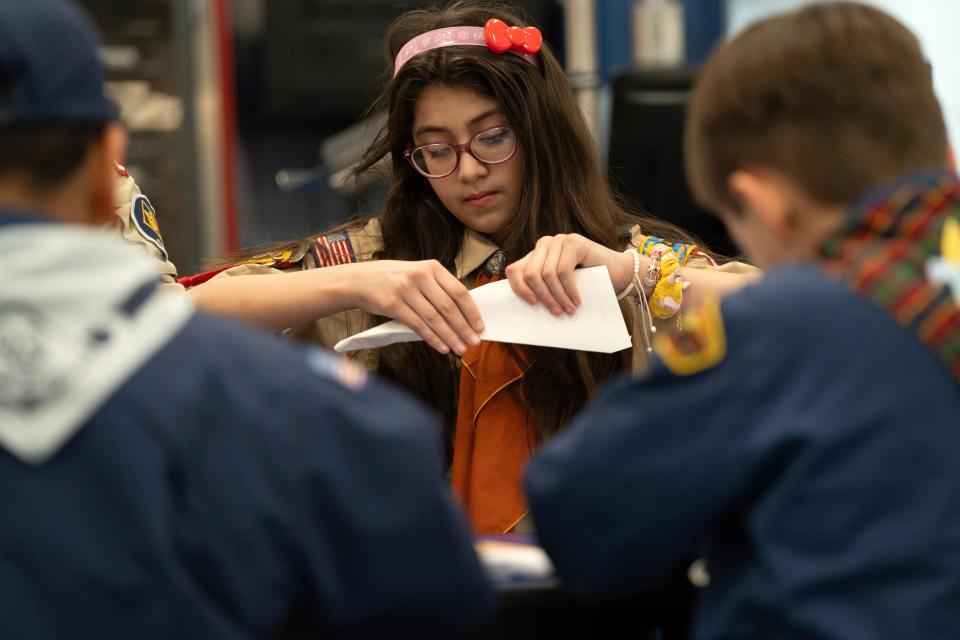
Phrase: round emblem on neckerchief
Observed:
(496, 264)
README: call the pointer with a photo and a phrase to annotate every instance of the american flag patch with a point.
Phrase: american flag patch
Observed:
(333, 249)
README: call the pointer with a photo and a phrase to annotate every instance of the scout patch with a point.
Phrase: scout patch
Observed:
(945, 269)
(333, 249)
(280, 258)
(283, 258)
(701, 345)
(346, 372)
(144, 218)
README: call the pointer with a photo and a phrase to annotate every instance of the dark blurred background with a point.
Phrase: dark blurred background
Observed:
(242, 113)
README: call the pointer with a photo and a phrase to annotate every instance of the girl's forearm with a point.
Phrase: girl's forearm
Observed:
(710, 283)
(279, 301)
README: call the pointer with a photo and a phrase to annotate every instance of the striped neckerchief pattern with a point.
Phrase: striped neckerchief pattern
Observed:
(882, 250)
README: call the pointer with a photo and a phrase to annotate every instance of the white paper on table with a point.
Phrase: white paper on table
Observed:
(509, 561)
(597, 324)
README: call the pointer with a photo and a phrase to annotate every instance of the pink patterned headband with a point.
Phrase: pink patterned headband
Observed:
(495, 35)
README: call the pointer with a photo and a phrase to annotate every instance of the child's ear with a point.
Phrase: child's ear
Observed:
(764, 198)
(951, 159)
(103, 173)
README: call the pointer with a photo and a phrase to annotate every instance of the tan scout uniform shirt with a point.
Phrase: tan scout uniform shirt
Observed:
(136, 222)
(474, 251)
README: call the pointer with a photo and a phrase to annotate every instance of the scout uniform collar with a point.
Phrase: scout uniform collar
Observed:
(473, 253)
(79, 314)
(899, 249)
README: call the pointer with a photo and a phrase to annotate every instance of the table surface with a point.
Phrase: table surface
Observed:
(540, 606)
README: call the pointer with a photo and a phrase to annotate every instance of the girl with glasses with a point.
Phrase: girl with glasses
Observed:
(492, 165)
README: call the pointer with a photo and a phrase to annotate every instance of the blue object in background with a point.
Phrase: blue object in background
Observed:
(705, 24)
(614, 36)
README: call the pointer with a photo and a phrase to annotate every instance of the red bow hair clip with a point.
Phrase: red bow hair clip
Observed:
(500, 37)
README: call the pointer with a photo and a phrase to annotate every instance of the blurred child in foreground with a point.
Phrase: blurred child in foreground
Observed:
(803, 435)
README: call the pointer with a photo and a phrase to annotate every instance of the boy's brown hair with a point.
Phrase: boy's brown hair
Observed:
(838, 97)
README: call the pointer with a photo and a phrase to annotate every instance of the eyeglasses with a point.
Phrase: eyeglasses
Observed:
(439, 159)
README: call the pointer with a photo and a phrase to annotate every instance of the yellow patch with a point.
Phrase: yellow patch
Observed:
(150, 218)
(701, 345)
(271, 259)
(945, 268)
(144, 218)
(950, 241)
(282, 257)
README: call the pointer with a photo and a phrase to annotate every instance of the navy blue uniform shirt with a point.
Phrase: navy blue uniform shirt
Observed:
(817, 467)
(234, 487)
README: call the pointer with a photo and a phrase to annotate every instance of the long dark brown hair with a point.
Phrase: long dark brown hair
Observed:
(564, 190)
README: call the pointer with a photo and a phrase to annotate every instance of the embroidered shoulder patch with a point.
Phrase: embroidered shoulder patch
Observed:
(333, 249)
(144, 218)
(341, 370)
(282, 257)
(701, 345)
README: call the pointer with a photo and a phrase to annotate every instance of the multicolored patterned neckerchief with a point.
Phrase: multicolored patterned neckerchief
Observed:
(887, 251)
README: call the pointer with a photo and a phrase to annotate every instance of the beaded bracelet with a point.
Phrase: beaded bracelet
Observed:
(660, 293)
(636, 269)
(652, 276)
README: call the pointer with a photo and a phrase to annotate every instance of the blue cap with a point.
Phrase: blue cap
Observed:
(49, 69)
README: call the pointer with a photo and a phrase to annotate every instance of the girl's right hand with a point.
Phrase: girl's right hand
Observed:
(546, 273)
(422, 295)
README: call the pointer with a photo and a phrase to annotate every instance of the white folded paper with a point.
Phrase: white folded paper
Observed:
(506, 561)
(597, 324)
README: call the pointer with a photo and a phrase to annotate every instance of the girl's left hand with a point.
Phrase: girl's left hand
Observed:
(546, 273)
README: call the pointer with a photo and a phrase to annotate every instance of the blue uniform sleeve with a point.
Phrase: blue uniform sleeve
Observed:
(620, 498)
(325, 506)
